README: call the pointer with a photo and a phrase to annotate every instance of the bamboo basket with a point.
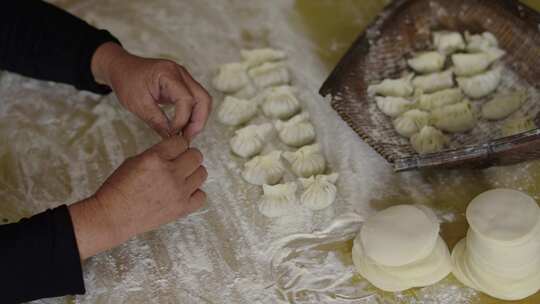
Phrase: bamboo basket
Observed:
(404, 27)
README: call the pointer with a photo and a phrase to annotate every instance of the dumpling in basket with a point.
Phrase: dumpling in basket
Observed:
(455, 118)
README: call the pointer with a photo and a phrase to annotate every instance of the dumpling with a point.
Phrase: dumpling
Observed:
(235, 111)
(306, 161)
(454, 118)
(481, 85)
(448, 42)
(517, 125)
(297, 131)
(270, 74)
(256, 57)
(278, 200)
(439, 99)
(231, 77)
(247, 92)
(480, 42)
(427, 62)
(434, 82)
(471, 64)
(280, 102)
(428, 140)
(320, 191)
(250, 140)
(264, 169)
(401, 87)
(393, 106)
(502, 105)
(411, 122)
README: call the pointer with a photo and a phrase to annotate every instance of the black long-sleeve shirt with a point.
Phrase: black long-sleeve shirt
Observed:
(39, 257)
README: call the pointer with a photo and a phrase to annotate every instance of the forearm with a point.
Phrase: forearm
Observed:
(42, 41)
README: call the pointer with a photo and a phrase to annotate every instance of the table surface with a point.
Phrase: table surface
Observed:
(58, 145)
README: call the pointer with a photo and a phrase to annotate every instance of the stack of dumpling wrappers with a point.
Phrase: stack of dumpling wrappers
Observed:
(436, 98)
(261, 83)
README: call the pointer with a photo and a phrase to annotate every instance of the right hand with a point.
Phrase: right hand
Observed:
(145, 192)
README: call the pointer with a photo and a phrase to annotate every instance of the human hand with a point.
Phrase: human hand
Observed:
(143, 84)
(145, 192)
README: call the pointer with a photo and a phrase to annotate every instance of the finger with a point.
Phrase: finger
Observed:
(171, 148)
(196, 201)
(202, 107)
(195, 180)
(188, 162)
(154, 116)
(175, 89)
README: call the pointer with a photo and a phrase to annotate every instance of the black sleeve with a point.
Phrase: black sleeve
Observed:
(42, 41)
(39, 258)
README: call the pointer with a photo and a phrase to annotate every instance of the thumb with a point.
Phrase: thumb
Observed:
(154, 116)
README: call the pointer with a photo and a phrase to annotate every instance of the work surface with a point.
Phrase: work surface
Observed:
(58, 145)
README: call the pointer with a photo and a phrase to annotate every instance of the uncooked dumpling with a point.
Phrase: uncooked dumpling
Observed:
(411, 122)
(306, 161)
(516, 125)
(278, 200)
(401, 87)
(480, 42)
(481, 85)
(502, 105)
(280, 102)
(427, 62)
(231, 77)
(270, 74)
(440, 99)
(320, 191)
(297, 131)
(428, 140)
(247, 92)
(472, 64)
(434, 82)
(454, 118)
(393, 106)
(250, 140)
(235, 111)
(264, 169)
(399, 235)
(256, 57)
(448, 42)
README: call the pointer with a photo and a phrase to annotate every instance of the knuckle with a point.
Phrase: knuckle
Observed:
(196, 155)
(166, 65)
(204, 173)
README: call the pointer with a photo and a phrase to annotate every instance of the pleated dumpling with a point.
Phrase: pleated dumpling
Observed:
(306, 161)
(270, 74)
(280, 102)
(393, 106)
(411, 122)
(249, 91)
(231, 77)
(320, 191)
(472, 64)
(502, 105)
(297, 131)
(434, 82)
(428, 140)
(250, 140)
(427, 62)
(439, 99)
(454, 118)
(480, 42)
(516, 125)
(235, 111)
(481, 85)
(256, 57)
(401, 87)
(264, 169)
(448, 42)
(278, 200)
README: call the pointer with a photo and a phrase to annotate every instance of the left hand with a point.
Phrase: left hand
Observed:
(142, 84)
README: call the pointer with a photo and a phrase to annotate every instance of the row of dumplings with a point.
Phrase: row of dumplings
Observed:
(262, 81)
(424, 105)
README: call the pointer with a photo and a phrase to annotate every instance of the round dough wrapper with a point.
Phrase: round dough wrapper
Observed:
(426, 272)
(399, 235)
(467, 272)
(503, 215)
